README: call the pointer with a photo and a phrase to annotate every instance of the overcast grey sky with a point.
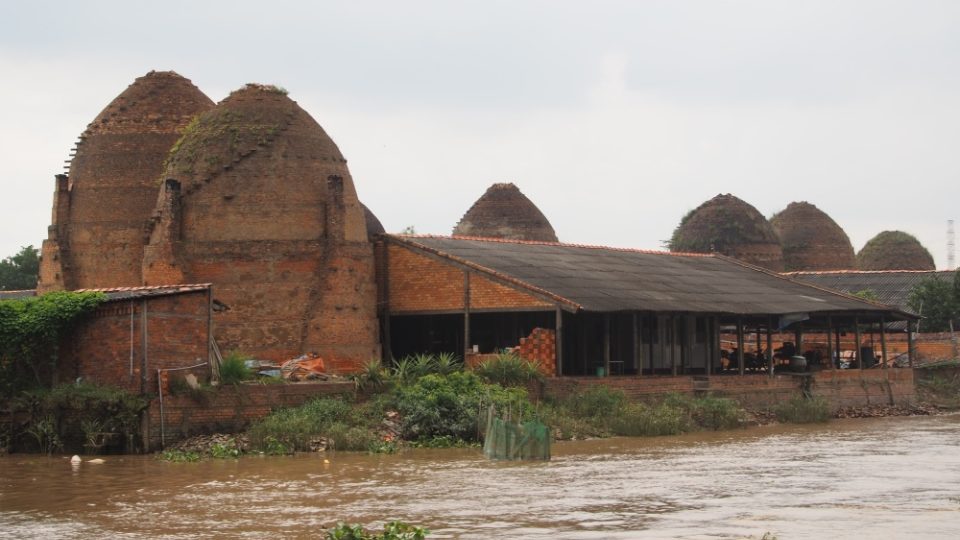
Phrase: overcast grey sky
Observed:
(615, 118)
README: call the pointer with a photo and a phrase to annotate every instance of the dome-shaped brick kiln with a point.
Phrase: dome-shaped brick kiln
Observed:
(894, 250)
(258, 201)
(729, 226)
(102, 206)
(811, 240)
(504, 212)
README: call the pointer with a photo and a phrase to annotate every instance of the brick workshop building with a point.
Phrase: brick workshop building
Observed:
(608, 310)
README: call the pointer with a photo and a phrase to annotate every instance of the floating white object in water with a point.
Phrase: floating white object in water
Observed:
(96, 461)
(74, 460)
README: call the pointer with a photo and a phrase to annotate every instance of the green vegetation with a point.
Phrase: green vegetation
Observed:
(345, 426)
(30, 333)
(508, 369)
(867, 294)
(601, 411)
(233, 369)
(938, 301)
(19, 272)
(801, 410)
(395, 530)
(98, 412)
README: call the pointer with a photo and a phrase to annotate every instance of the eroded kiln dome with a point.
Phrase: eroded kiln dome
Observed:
(729, 226)
(811, 240)
(504, 212)
(894, 250)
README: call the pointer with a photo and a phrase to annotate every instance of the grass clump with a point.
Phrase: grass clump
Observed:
(233, 369)
(509, 369)
(345, 426)
(600, 411)
(801, 410)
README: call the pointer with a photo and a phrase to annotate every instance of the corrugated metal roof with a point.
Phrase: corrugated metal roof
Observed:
(12, 295)
(607, 279)
(891, 286)
(130, 293)
(123, 293)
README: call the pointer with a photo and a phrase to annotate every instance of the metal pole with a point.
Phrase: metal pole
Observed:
(770, 344)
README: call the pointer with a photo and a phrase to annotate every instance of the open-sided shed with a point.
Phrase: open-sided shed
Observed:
(623, 310)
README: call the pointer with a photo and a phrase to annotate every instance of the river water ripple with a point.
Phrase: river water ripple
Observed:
(881, 478)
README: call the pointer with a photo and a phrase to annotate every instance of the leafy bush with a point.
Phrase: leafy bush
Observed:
(94, 408)
(800, 410)
(508, 369)
(395, 530)
(452, 405)
(234, 368)
(373, 376)
(288, 430)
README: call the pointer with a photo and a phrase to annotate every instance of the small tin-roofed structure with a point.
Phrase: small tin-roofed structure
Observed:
(894, 250)
(811, 240)
(727, 225)
(504, 212)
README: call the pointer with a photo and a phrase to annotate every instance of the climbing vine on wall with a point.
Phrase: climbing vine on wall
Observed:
(30, 333)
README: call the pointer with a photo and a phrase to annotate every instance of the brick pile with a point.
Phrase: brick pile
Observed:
(540, 348)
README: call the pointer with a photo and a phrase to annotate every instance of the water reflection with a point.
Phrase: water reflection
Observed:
(889, 478)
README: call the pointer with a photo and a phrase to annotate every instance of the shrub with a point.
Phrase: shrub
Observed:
(716, 413)
(452, 405)
(508, 369)
(372, 376)
(639, 420)
(234, 368)
(289, 430)
(800, 410)
(395, 530)
(596, 401)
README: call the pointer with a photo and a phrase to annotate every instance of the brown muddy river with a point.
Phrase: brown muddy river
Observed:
(864, 479)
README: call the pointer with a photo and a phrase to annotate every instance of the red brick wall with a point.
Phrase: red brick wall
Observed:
(99, 348)
(230, 409)
(853, 388)
(841, 388)
(420, 283)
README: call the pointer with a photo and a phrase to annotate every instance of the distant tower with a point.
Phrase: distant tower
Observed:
(951, 246)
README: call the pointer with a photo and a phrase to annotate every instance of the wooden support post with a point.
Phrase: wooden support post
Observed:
(857, 355)
(833, 364)
(770, 365)
(708, 325)
(910, 351)
(637, 348)
(883, 342)
(606, 344)
(716, 339)
(740, 365)
(798, 340)
(466, 314)
(672, 338)
(559, 340)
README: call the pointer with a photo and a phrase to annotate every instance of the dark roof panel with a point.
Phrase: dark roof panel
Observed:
(612, 279)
